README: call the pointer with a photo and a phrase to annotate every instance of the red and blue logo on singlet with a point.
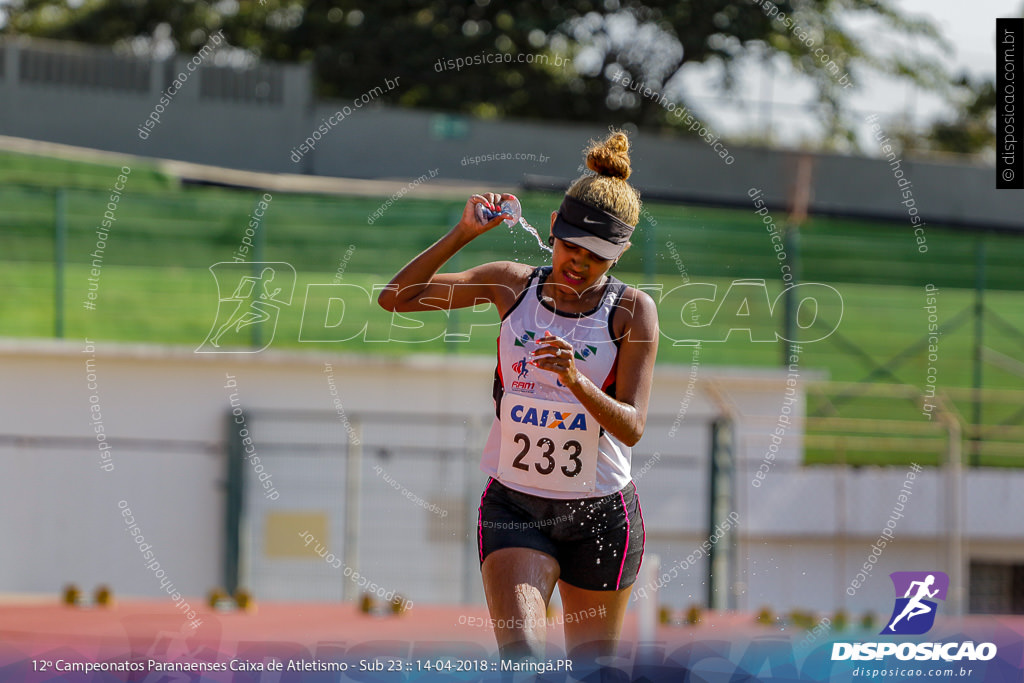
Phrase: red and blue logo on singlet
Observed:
(521, 384)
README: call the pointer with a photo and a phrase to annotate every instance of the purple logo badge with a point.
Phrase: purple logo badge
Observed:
(916, 593)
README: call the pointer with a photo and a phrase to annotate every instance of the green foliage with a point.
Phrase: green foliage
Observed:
(972, 128)
(354, 46)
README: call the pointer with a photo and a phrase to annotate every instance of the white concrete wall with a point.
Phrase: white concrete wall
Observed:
(379, 141)
(802, 535)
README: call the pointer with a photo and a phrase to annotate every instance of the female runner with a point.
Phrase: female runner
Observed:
(576, 352)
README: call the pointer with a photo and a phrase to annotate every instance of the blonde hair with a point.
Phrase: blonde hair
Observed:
(608, 190)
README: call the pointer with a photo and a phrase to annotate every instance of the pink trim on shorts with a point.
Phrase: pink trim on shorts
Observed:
(626, 549)
(480, 519)
(643, 527)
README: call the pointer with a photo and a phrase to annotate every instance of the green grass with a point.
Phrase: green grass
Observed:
(156, 286)
(45, 172)
(175, 305)
(160, 224)
(892, 458)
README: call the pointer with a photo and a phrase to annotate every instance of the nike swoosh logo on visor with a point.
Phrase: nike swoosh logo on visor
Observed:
(586, 219)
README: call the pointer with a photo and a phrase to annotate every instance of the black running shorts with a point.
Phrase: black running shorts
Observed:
(598, 542)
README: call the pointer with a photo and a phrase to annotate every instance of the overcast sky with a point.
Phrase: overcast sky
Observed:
(969, 28)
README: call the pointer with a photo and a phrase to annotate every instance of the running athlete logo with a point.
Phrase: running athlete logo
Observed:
(259, 291)
(914, 613)
(522, 368)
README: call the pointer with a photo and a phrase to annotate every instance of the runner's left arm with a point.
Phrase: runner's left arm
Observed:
(624, 416)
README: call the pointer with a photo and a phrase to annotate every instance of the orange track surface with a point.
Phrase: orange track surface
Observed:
(42, 626)
(159, 627)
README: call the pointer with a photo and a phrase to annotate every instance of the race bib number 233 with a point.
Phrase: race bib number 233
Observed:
(548, 445)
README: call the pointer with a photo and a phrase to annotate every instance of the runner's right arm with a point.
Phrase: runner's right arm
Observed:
(419, 287)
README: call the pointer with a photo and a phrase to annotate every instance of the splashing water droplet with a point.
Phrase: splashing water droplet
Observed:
(533, 231)
(514, 209)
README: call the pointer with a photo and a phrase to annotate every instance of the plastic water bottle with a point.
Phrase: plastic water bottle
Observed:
(514, 214)
(510, 208)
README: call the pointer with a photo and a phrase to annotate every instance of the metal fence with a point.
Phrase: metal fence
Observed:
(338, 505)
(156, 267)
(381, 492)
(59, 63)
(370, 493)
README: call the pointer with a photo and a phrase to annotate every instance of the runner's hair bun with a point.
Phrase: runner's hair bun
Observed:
(607, 188)
(610, 157)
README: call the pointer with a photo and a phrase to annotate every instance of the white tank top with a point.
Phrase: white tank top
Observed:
(580, 459)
